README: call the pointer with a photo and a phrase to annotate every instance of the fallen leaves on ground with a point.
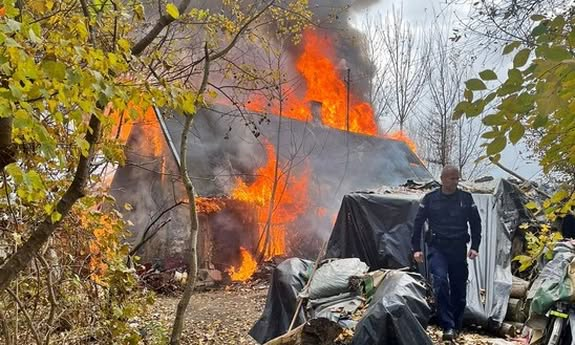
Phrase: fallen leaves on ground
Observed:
(225, 316)
(222, 316)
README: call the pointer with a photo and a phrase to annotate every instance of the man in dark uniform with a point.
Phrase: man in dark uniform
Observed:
(448, 211)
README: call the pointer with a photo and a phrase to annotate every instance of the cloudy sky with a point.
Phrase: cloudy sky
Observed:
(423, 13)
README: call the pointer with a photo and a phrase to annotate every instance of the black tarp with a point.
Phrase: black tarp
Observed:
(376, 228)
(288, 280)
(398, 313)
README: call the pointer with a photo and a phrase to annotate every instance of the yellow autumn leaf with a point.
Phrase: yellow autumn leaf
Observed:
(173, 11)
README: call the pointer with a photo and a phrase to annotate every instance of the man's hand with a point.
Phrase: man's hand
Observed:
(472, 254)
(418, 257)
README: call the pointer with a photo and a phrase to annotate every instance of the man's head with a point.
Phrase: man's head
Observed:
(449, 179)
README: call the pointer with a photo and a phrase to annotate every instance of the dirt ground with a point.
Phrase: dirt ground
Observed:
(222, 316)
(225, 316)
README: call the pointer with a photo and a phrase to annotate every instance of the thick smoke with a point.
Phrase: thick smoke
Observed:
(338, 164)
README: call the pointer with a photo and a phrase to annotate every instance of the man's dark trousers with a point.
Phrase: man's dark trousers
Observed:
(448, 267)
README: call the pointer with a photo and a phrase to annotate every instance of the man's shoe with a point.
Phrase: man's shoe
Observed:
(448, 335)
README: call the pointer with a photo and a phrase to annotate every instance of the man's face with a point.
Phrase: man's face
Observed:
(449, 179)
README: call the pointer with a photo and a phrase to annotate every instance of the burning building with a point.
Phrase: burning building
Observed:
(269, 181)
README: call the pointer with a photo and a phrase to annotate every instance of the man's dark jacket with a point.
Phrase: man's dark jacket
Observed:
(448, 216)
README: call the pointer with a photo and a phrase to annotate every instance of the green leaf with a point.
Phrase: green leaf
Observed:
(83, 145)
(515, 76)
(494, 120)
(54, 69)
(556, 53)
(16, 173)
(491, 134)
(497, 145)
(490, 97)
(557, 23)
(468, 94)
(537, 17)
(33, 37)
(16, 91)
(539, 29)
(531, 205)
(12, 26)
(521, 57)
(488, 75)
(516, 133)
(510, 47)
(475, 84)
(173, 11)
(476, 108)
(460, 109)
(34, 180)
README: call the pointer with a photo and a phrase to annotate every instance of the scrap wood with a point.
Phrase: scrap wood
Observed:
(519, 288)
(367, 284)
(316, 331)
(516, 310)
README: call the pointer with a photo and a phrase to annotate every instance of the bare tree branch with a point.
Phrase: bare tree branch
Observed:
(164, 21)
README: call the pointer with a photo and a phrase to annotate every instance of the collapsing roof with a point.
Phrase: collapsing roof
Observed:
(223, 147)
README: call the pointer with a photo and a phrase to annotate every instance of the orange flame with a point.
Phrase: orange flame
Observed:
(289, 202)
(324, 84)
(209, 205)
(402, 136)
(247, 267)
(317, 65)
(340, 109)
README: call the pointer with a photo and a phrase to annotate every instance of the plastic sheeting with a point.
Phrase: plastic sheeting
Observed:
(338, 308)
(288, 280)
(376, 228)
(332, 278)
(553, 284)
(398, 313)
(491, 271)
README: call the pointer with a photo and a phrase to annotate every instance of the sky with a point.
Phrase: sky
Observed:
(424, 12)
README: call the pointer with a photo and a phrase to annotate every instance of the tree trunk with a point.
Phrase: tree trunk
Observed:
(193, 259)
(20, 260)
(7, 150)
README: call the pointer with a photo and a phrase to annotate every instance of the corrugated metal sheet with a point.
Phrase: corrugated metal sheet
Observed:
(490, 275)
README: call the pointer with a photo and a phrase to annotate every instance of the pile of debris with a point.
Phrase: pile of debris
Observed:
(171, 281)
(376, 227)
(345, 304)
